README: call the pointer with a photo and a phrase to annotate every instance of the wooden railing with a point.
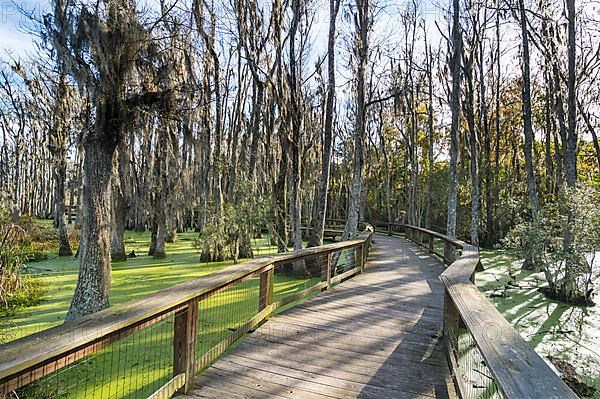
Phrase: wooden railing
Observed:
(487, 356)
(198, 319)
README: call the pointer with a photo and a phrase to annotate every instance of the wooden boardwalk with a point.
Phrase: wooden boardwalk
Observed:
(375, 336)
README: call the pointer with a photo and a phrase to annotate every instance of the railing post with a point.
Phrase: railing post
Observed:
(265, 296)
(430, 243)
(326, 271)
(448, 253)
(359, 257)
(184, 343)
(329, 271)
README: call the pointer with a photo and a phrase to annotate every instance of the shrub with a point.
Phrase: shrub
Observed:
(39, 238)
(231, 239)
(569, 271)
(16, 290)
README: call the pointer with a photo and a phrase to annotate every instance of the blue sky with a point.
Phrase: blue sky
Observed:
(19, 43)
(12, 22)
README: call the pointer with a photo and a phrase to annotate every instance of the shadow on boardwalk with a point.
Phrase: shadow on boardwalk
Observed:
(375, 336)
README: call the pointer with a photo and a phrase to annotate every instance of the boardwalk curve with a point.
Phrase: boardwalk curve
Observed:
(378, 335)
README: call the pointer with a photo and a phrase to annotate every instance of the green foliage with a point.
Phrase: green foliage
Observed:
(32, 291)
(16, 290)
(38, 239)
(568, 269)
(223, 239)
(543, 244)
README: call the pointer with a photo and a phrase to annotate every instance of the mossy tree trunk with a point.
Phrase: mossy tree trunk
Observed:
(121, 202)
(94, 282)
(58, 149)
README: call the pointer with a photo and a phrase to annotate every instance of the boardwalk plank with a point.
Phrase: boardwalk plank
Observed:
(353, 359)
(352, 372)
(359, 345)
(386, 318)
(373, 350)
(297, 380)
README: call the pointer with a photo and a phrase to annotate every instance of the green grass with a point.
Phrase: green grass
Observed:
(139, 364)
(571, 333)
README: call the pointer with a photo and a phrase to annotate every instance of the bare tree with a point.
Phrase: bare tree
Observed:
(363, 22)
(319, 221)
(527, 127)
(455, 68)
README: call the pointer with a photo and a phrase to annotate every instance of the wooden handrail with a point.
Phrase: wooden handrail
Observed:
(30, 358)
(518, 371)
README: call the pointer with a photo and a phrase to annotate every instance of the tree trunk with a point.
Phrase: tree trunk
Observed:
(58, 148)
(528, 133)
(359, 132)
(571, 161)
(470, 114)
(485, 125)
(569, 284)
(386, 161)
(162, 194)
(153, 242)
(430, 138)
(252, 155)
(117, 244)
(281, 202)
(455, 68)
(121, 203)
(217, 170)
(161, 232)
(60, 176)
(549, 127)
(319, 220)
(60, 171)
(93, 284)
(295, 126)
(561, 151)
(73, 184)
(496, 188)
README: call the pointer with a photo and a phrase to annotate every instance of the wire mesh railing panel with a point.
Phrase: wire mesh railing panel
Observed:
(476, 377)
(344, 260)
(130, 368)
(222, 315)
(294, 277)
